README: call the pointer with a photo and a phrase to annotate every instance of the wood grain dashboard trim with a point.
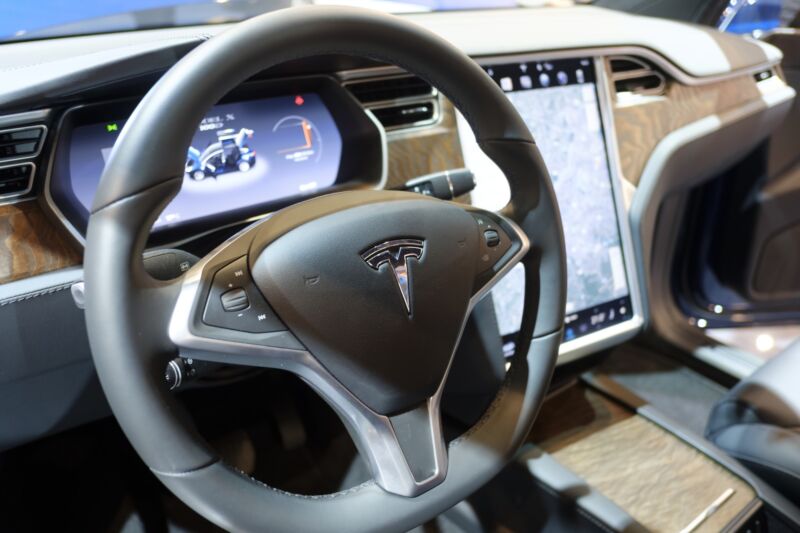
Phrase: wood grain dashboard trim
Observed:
(423, 151)
(31, 244)
(640, 127)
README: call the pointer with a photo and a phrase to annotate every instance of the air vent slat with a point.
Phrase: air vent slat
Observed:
(405, 115)
(15, 180)
(627, 64)
(638, 85)
(632, 75)
(20, 135)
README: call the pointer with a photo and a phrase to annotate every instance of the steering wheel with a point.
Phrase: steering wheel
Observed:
(362, 294)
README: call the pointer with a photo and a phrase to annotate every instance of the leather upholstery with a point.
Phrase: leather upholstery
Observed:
(758, 422)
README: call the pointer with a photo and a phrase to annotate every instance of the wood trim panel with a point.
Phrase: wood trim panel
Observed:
(572, 415)
(423, 151)
(662, 482)
(31, 244)
(641, 127)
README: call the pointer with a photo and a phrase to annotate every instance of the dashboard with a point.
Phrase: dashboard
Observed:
(264, 147)
(615, 102)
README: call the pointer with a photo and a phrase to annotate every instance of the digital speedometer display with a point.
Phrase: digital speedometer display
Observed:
(243, 154)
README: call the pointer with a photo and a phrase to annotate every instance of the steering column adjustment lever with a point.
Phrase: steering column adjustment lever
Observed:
(164, 264)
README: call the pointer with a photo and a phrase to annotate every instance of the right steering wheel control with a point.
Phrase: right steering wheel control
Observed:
(496, 246)
(491, 237)
(494, 242)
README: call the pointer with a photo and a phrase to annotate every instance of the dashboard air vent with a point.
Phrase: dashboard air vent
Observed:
(397, 101)
(763, 75)
(16, 180)
(389, 89)
(636, 76)
(20, 143)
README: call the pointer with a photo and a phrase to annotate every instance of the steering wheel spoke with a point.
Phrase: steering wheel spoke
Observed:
(405, 452)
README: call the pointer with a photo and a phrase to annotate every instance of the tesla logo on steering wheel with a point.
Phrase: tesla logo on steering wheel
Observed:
(396, 254)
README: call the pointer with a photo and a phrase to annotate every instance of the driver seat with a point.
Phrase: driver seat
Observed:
(758, 422)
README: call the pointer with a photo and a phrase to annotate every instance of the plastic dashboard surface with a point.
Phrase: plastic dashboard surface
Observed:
(564, 102)
(265, 146)
(47, 372)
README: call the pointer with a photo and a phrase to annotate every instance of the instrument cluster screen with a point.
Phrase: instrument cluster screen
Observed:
(243, 154)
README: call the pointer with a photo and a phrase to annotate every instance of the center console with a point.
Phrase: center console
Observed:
(607, 454)
(633, 473)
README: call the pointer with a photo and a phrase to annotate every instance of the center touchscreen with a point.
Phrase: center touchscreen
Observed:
(243, 153)
(559, 103)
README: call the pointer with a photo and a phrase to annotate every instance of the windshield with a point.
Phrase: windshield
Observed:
(38, 19)
(22, 20)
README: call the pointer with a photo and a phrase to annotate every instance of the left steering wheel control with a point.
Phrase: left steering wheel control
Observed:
(235, 303)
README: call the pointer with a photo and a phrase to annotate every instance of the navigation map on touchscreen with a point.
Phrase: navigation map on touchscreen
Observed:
(558, 101)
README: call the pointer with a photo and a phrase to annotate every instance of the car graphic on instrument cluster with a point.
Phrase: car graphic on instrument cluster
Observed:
(230, 153)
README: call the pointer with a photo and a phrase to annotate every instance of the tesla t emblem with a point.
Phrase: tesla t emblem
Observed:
(396, 254)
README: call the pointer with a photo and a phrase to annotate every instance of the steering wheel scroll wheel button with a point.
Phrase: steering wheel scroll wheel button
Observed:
(235, 300)
(494, 243)
(235, 303)
(491, 237)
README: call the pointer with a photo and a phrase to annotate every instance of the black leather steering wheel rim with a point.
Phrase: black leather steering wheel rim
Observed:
(125, 308)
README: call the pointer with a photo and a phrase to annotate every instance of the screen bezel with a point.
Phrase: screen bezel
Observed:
(621, 331)
(362, 165)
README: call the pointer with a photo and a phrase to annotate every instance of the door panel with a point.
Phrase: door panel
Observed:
(773, 273)
(774, 262)
(741, 263)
